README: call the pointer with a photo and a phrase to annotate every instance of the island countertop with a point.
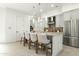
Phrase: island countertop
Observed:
(53, 33)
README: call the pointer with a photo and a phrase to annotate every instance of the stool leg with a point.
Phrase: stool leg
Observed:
(46, 51)
(42, 46)
(29, 44)
(51, 48)
(21, 40)
(24, 42)
(37, 47)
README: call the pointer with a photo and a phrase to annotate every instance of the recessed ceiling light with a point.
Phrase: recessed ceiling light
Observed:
(41, 10)
(52, 5)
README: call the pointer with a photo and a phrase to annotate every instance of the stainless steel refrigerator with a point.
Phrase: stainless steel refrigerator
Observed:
(71, 35)
(67, 32)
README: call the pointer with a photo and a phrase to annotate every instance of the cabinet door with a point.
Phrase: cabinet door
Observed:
(67, 16)
(60, 20)
(57, 21)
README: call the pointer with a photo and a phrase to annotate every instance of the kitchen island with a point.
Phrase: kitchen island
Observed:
(57, 42)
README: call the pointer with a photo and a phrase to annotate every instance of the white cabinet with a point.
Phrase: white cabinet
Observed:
(60, 20)
(57, 21)
(67, 16)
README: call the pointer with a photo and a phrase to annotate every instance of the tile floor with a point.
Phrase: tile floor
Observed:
(70, 51)
(17, 49)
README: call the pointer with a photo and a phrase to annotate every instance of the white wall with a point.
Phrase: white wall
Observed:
(2, 24)
(10, 22)
(10, 25)
(16, 21)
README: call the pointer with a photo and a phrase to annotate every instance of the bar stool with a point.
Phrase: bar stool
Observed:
(26, 38)
(43, 42)
(21, 36)
(33, 40)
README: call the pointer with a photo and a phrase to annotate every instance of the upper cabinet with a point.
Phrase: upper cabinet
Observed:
(67, 16)
(59, 20)
(75, 14)
(71, 15)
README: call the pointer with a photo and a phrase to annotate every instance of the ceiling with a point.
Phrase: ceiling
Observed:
(32, 8)
(35, 8)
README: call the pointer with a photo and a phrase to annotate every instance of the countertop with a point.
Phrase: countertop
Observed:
(53, 33)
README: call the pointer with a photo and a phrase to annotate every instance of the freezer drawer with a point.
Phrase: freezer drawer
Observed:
(74, 41)
(66, 40)
(71, 41)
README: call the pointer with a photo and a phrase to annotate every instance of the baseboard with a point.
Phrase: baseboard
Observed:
(9, 42)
